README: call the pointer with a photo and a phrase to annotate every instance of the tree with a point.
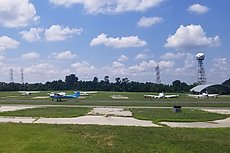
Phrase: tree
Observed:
(71, 81)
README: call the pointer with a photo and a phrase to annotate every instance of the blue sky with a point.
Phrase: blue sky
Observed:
(50, 39)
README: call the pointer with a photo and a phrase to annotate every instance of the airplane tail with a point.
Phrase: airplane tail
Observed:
(77, 94)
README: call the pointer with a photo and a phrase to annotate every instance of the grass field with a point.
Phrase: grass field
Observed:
(187, 115)
(37, 138)
(104, 99)
(153, 114)
(50, 112)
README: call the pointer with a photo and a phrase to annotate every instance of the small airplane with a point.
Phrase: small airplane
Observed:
(87, 93)
(161, 95)
(62, 95)
(204, 95)
(27, 93)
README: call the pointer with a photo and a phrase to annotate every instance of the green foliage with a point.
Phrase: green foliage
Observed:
(37, 138)
(120, 85)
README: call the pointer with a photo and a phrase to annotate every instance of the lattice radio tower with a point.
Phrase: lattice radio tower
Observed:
(158, 78)
(22, 76)
(201, 77)
(11, 75)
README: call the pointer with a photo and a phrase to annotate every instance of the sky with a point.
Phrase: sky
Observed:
(50, 39)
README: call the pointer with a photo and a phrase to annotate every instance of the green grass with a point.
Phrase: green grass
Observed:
(52, 112)
(104, 99)
(187, 115)
(36, 138)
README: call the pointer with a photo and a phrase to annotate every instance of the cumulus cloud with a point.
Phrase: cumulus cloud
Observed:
(31, 56)
(83, 68)
(32, 35)
(59, 33)
(191, 37)
(122, 58)
(64, 55)
(169, 55)
(17, 13)
(108, 6)
(143, 66)
(123, 42)
(141, 56)
(149, 21)
(198, 9)
(7, 43)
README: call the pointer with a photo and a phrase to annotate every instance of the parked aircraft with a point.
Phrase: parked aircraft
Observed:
(87, 93)
(62, 95)
(204, 95)
(26, 93)
(161, 95)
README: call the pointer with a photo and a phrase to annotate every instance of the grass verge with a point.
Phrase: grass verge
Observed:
(36, 138)
(50, 112)
(187, 115)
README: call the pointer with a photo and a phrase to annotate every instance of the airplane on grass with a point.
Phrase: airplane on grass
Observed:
(27, 93)
(87, 93)
(204, 95)
(161, 95)
(62, 95)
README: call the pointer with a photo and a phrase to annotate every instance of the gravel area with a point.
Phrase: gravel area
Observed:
(98, 120)
(110, 112)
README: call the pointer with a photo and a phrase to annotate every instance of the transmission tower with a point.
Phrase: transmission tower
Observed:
(158, 78)
(11, 75)
(201, 77)
(22, 76)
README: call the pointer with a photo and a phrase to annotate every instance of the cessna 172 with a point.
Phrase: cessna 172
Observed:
(62, 95)
(161, 95)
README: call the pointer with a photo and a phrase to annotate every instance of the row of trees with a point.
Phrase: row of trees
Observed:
(121, 84)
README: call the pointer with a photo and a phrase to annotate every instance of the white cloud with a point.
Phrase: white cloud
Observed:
(7, 43)
(110, 6)
(31, 56)
(83, 68)
(58, 33)
(64, 55)
(198, 9)
(149, 21)
(2, 57)
(166, 64)
(122, 58)
(143, 67)
(221, 63)
(123, 42)
(173, 56)
(17, 13)
(191, 37)
(32, 35)
(141, 56)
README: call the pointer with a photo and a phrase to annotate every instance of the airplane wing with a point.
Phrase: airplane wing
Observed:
(213, 95)
(171, 96)
(150, 96)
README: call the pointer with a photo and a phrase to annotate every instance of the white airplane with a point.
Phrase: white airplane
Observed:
(204, 95)
(26, 93)
(161, 95)
(87, 93)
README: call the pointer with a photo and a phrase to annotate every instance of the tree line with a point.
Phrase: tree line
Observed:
(121, 85)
